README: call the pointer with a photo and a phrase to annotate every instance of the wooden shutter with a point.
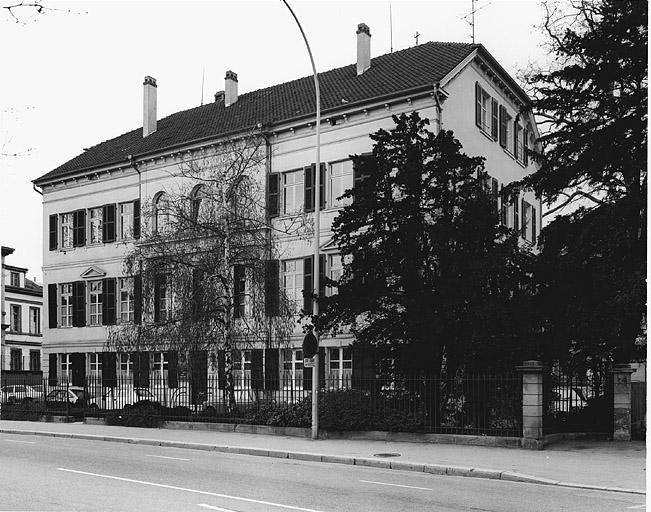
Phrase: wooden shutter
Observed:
(78, 364)
(495, 121)
(308, 182)
(108, 301)
(140, 369)
(322, 186)
(503, 124)
(516, 214)
(221, 369)
(54, 232)
(108, 223)
(257, 369)
(322, 275)
(516, 128)
(308, 284)
(137, 299)
(525, 147)
(477, 104)
(273, 195)
(52, 305)
(109, 370)
(198, 376)
(78, 304)
(523, 216)
(172, 369)
(136, 218)
(272, 288)
(79, 228)
(533, 225)
(272, 369)
(53, 367)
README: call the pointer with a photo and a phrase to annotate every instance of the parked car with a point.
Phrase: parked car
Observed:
(123, 398)
(72, 397)
(568, 400)
(20, 393)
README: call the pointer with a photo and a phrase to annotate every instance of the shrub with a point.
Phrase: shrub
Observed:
(142, 414)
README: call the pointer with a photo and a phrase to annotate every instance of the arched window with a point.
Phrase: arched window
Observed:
(196, 196)
(161, 213)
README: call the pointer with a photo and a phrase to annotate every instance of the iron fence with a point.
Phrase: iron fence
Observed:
(480, 405)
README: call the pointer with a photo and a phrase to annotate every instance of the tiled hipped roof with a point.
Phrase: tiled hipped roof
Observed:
(389, 74)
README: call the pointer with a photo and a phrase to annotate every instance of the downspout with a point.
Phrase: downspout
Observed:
(439, 108)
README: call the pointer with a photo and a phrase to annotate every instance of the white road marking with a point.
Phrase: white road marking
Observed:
(215, 508)
(173, 487)
(163, 457)
(24, 442)
(397, 485)
(638, 507)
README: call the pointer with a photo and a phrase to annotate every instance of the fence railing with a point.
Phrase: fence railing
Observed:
(486, 405)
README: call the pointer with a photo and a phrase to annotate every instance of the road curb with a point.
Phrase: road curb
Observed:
(435, 469)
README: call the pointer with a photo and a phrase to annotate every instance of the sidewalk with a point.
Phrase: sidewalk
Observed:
(597, 465)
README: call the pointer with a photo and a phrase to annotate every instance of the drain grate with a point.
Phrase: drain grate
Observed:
(384, 455)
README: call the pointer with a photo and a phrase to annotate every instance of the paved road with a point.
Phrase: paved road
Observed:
(54, 474)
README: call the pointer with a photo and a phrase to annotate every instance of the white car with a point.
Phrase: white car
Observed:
(20, 393)
(567, 400)
(123, 398)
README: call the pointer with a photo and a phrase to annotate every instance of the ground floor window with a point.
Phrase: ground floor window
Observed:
(66, 367)
(35, 360)
(242, 368)
(95, 364)
(126, 366)
(16, 361)
(340, 367)
(292, 376)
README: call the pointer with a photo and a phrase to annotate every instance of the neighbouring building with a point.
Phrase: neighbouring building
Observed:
(22, 306)
(92, 204)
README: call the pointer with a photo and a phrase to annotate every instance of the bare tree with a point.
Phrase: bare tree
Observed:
(207, 263)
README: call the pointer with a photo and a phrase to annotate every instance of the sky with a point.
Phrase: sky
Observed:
(71, 76)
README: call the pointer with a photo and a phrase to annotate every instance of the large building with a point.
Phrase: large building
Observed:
(92, 204)
(22, 305)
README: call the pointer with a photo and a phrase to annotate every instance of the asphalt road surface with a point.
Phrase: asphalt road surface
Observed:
(54, 474)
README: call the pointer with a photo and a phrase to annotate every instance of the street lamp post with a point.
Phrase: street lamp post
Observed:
(317, 230)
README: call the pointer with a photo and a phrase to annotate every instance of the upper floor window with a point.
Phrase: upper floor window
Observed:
(161, 213)
(529, 222)
(239, 291)
(293, 191)
(506, 129)
(65, 310)
(95, 220)
(292, 280)
(67, 230)
(126, 220)
(34, 320)
(16, 318)
(126, 300)
(162, 299)
(482, 108)
(519, 142)
(341, 179)
(95, 302)
(15, 279)
(195, 202)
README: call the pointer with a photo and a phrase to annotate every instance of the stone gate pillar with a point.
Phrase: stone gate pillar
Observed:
(532, 404)
(621, 374)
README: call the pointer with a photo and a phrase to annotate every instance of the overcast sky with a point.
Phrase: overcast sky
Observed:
(72, 76)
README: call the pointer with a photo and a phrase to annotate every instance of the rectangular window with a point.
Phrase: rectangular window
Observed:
(34, 320)
(95, 228)
(239, 291)
(335, 270)
(483, 112)
(293, 192)
(273, 184)
(160, 364)
(126, 365)
(341, 179)
(340, 361)
(529, 222)
(95, 302)
(242, 368)
(66, 367)
(65, 308)
(15, 279)
(67, 230)
(293, 281)
(34, 361)
(126, 300)
(518, 149)
(16, 314)
(162, 299)
(16, 361)
(95, 364)
(516, 214)
(126, 221)
(292, 376)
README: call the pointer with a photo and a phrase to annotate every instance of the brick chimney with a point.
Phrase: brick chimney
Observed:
(219, 96)
(363, 48)
(149, 106)
(231, 88)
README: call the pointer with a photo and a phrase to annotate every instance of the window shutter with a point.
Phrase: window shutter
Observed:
(322, 275)
(136, 218)
(308, 180)
(503, 207)
(516, 128)
(109, 370)
(79, 228)
(516, 214)
(140, 369)
(533, 226)
(523, 216)
(53, 367)
(78, 304)
(78, 364)
(272, 288)
(199, 376)
(197, 294)
(108, 301)
(221, 369)
(52, 305)
(172, 369)
(477, 104)
(158, 281)
(257, 369)
(238, 289)
(525, 148)
(503, 122)
(53, 232)
(137, 299)
(108, 223)
(308, 284)
(272, 369)
(495, 122)
(322, 187)
(273, 187)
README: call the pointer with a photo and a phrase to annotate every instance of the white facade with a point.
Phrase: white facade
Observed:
(451, 103)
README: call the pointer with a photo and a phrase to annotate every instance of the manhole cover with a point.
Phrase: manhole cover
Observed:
(386, 455)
